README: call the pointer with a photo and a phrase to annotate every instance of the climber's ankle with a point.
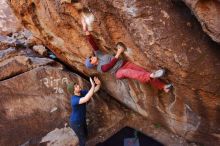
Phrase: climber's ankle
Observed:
(167, 88)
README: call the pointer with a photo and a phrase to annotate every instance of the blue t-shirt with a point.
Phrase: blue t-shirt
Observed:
(78, 114)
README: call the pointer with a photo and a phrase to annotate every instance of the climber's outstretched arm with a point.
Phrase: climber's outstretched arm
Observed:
(89, 95)
(92, 42)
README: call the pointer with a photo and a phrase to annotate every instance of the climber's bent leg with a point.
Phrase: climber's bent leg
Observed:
(133, 71)
(157, 84)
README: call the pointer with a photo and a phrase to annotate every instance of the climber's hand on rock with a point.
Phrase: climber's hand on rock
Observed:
(97, 81)
(119, 51)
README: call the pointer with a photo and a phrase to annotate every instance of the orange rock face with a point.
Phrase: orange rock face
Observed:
(208, 14)
(157, 34)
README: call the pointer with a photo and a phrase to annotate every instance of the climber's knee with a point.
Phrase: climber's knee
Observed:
(119, 75)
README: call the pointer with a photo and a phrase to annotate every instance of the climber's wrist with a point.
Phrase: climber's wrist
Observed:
(117, 55)
(87, 32)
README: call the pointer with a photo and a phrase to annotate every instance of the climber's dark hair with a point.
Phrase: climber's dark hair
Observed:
(70, 87)
(121, 45)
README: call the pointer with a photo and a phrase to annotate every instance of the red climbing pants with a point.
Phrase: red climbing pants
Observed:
(133, 71)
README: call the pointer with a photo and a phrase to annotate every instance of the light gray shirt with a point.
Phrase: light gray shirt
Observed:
(105, 59)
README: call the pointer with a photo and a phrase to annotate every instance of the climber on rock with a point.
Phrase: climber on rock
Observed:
(123, 69)
(78, 104)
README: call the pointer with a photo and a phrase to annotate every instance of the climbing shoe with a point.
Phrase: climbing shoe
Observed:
(157, 74)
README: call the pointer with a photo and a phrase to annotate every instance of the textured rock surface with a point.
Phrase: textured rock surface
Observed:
(17, 58)
(40, 49)
(8, 22)
(60, 137)
(208, 14)
(157, 34)
(23, 98)
(34, 99)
